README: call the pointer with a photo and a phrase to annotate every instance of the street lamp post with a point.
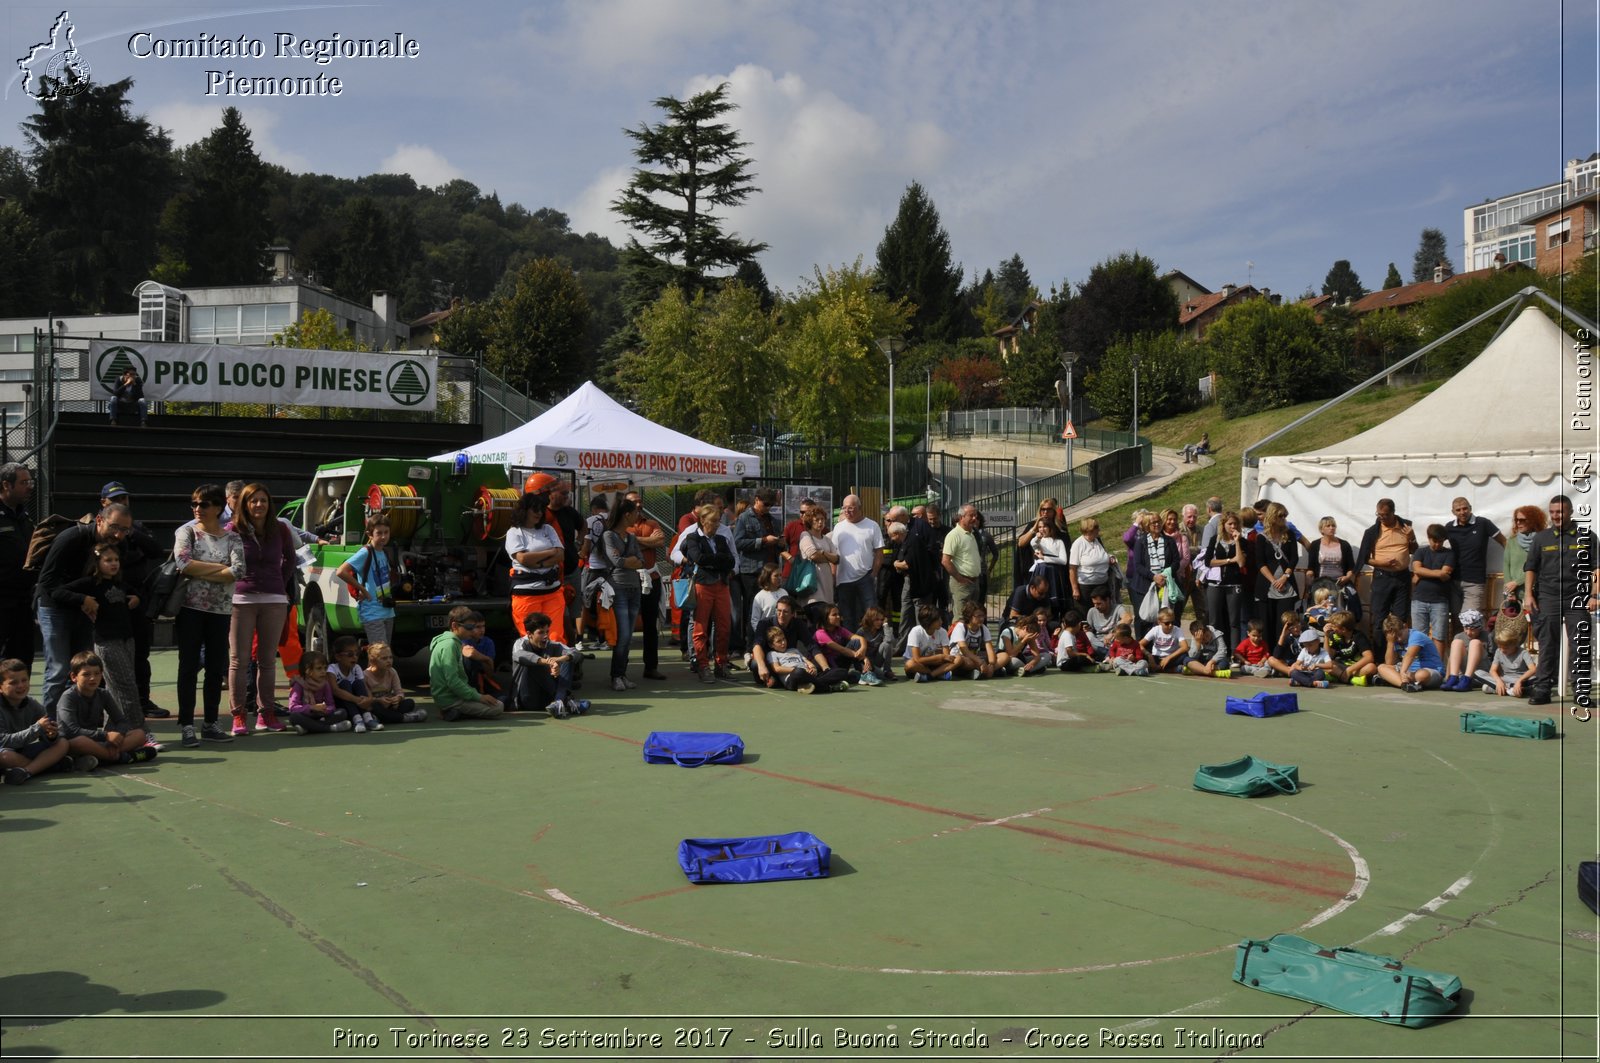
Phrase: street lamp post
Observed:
(1133, 360)
(1068, 360)
(891, 346)
(927, 411)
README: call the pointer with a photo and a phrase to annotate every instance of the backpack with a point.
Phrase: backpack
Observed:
(44, 533)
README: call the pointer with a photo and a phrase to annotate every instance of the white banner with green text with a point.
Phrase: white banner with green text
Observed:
(283, 376)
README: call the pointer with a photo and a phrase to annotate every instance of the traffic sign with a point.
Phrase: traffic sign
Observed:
(1069, 432)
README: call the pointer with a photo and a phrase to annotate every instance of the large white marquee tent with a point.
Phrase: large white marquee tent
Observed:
(1499, 432)
(595, 437)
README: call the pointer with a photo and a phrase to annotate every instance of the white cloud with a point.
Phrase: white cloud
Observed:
(424, 164)
(191, 122)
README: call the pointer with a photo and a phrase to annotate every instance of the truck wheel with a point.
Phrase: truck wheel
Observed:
(317, 637)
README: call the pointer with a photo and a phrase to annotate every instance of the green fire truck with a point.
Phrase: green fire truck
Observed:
(449, 522)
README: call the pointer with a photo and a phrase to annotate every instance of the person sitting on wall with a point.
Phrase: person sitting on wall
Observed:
(128, 397)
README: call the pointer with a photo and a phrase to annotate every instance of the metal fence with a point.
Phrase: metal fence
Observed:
(1027, 424)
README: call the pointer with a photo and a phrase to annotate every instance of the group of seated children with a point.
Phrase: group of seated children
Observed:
(344, 696)
(88, 728)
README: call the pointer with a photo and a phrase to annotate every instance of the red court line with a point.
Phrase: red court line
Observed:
(1194, 864)
(1325, 870)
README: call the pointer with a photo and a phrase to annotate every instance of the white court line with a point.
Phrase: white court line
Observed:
(1427, 909)
(1336, 719)
(1363, 877)
(1196, 1006)
(992, 822)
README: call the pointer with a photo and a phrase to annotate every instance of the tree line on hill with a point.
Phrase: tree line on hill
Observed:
(681, 319)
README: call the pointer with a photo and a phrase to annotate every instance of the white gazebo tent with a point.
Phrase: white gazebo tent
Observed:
(1498, 432)
(594, 437)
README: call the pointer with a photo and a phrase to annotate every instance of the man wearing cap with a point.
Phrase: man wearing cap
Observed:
(141, 558)
(16, 585)
(1561, 573)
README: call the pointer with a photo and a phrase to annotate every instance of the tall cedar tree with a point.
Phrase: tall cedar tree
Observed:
(1123, 296)
(914, 265)
(229, 230)
(1342, 282)
(1014, 285)
(689, 166)
(102, 177)
(1392, 279)
(1431, 250)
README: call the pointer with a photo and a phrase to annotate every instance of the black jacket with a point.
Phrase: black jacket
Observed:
(710, 555)
(1369, 540)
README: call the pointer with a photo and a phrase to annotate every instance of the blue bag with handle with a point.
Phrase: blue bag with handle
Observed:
(770, 858)
(690, 749)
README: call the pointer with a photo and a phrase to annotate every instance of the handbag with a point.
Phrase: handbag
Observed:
(1150, 604)
(691, 749)
(770, 858)
(1481, 723)
(1588, 877)
(166, 591)
(1262, 704)
(1247, 777)
(1347, 980)
(802, 577)
(1172, 592)
(683, 588)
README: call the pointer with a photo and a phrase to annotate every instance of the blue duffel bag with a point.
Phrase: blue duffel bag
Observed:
(690, 749)
(1262, 704)
(771, 858)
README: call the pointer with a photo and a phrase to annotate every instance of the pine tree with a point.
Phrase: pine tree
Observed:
(1392, 279)
(228, 228)
(914, 264)
(1014, 285)
(1432, 250)
(1342, 282)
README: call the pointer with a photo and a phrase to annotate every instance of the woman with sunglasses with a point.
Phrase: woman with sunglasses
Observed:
(211, 558)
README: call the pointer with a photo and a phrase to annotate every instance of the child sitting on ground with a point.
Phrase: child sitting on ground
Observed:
(389, 702)
(1075, 650)
(1125, 656)
(1410, 659)
(794, 671)
(1287, 650)
(1511, 666)
(30, 741)
(1467, 651)
(545, 671)
(928, 655)
(1254, 654)
(1311, 663)
(1349, 650)
(448, 681)
(350, 685)
(91, 720)
(839, 646)
(1165, 644)
(1208, 652)
(974, 649)
(874, 635)
(1033, 649)
(312, 708)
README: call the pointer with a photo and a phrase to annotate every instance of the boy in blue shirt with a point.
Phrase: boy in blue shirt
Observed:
(1410, 660)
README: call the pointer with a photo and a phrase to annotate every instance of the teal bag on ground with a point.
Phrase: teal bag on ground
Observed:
(1481, 723)
(1347, 980)
(1247, 777)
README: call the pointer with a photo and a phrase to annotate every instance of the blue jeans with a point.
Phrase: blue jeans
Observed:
(626, 607)
(855, 598)
(62, 631)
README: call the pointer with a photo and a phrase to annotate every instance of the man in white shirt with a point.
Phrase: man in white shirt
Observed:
(860, 543)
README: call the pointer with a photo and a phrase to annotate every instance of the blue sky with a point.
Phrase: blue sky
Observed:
(1287, 134)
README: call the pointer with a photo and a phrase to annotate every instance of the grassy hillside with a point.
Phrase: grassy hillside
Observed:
(1230, 438)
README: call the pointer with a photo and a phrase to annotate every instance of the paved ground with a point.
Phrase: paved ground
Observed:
(1009, 856)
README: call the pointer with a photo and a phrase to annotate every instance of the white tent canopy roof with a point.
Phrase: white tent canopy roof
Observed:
(1496, 433)
(595, 437)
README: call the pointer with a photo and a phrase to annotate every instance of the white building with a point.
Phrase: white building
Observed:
(1496, 226)
(241, 314)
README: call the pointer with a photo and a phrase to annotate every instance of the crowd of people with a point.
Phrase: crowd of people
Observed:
(816, 604)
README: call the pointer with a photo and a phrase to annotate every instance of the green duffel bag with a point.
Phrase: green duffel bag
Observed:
(1347, 980)
(1247, 777)
(1481, 723)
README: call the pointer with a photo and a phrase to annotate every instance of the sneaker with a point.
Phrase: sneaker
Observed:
(213, 732)
(416, 716)
(17, 776)
(267, 720)
(190, 740)
(151, 743)
(618, 683)
(1412, 688)
(1358, 680)
(806, 688)
(1321, 684)
(870, 679)
(579, 706)
(948, 676)
(240, 728)
(557, 708)
(706, 675)
(1488, 688)
(721, 672)
(630, 684)
(1539, 697)
(139, 756)
(156, 712)
(450, 715)
(84, 762)
(373, 723)
(840, 687)
(342, 725)
(924, 677)
(654, 673)
(1224, 673)
(359, 726)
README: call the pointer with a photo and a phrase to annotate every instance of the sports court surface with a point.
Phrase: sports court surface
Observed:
(1022, 868)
